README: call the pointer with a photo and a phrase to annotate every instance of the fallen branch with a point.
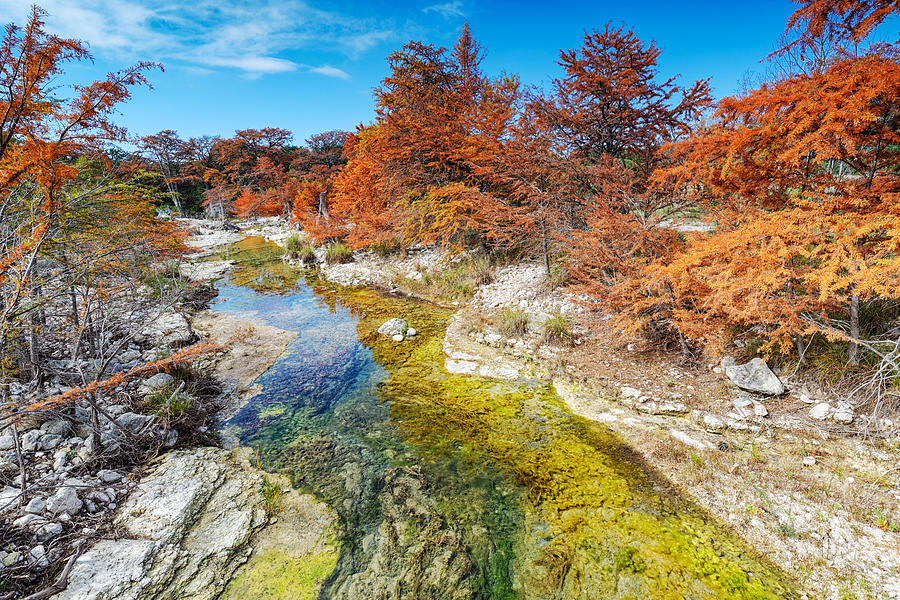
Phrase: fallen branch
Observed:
(61, 583)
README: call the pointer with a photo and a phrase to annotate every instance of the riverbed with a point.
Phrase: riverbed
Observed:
(453, 486)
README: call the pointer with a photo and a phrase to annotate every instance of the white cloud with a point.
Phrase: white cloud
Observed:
(447, 9)
(254, 36)
(329, 71)
(252, 64)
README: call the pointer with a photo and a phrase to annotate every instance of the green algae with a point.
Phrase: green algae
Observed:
(550, 505)
(259, 266)
(590, 496)
(275, 575)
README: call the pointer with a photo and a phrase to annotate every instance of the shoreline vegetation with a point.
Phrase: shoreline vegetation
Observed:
(715, 281)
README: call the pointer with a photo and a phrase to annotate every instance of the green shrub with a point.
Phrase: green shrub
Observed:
(292, 245)
(338, 253)
(272, 494)
(481, 271)
(559, 275)
(558, 330)
(385, 249)
(513, 322)
(170, 400)
(307, 255)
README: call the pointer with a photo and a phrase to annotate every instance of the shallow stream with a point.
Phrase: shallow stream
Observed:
(457, 487)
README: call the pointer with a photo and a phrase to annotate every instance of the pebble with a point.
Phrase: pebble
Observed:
(38, 555)
(843, 413)
(108, 476)
(65, 500)
(35, 506)
(397, 337)
(809, 461)
(48, 531)
(820, 411)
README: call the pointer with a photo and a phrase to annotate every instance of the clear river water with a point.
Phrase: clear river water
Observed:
(451, 486)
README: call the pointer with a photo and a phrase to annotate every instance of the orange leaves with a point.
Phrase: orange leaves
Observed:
(181, 356)
(417, 171)
(857, 18)
(441, 216)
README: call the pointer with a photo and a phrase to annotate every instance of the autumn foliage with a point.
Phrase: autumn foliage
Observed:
(693, 221)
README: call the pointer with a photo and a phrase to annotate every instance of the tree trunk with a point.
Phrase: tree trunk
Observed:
(854, 329)
(323, 204)
(544, 248)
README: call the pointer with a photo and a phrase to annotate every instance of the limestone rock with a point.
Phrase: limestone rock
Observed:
(843, 413)
(820, 411)
(759, 409)
(35, 506)
(8, 495)
(48, 531)
(107, 476)
(49, 442)
(190, 521)
(392, 327)
(158, 381)
(755, 376)
(397, 337)
(662, 407)
(58, 427)
(743, 407)
(65, 500)
(38, 556)
(713, 423)
(7, 442)
(170, 330)
(134, 422)
(31, 439)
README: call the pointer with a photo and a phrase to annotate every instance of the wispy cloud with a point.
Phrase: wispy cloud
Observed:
(256, 37)
(446, 9)
(329, 71)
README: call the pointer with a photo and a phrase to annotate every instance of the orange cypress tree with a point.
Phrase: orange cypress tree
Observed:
(438, 116)
(612, 117)
(803, 175)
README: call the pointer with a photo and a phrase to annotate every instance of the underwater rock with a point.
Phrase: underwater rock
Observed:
(404, 549)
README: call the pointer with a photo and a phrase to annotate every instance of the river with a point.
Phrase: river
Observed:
(458, 487)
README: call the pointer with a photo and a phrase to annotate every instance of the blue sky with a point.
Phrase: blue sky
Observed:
(310, 66)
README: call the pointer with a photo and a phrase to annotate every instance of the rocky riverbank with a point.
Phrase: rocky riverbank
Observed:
(95, 521)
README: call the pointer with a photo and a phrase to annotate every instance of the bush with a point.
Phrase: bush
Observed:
(338, 253)
(293, 245)
(272, 494)
(481, 271)
(558, 330)
(385, 249)
(307, 255)
(513, 322)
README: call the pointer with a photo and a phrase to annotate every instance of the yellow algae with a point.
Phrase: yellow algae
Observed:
(572, 512)
(276, 575)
